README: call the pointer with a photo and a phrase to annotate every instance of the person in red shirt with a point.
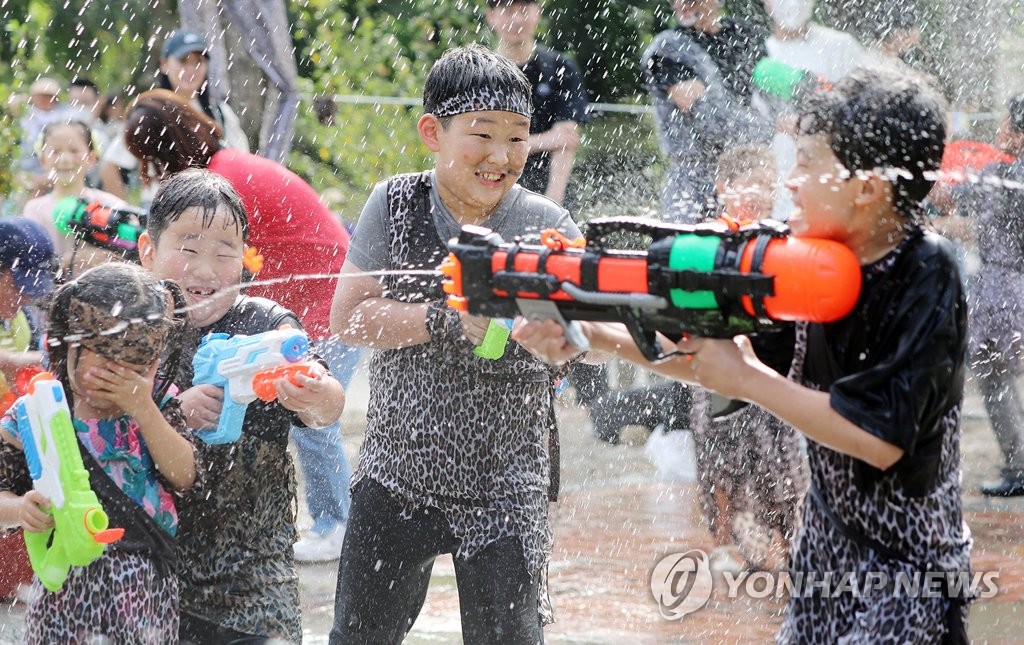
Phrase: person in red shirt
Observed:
(296, 236)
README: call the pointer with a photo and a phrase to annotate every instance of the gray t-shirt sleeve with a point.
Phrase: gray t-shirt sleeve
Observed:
(531, 214)
(369, 249)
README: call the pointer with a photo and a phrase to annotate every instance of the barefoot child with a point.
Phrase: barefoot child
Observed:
(135, 447)
(237, 567)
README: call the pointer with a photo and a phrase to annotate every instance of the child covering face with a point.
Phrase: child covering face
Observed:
(106, 332)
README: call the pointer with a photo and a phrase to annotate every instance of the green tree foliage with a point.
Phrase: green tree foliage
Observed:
(367, 48)
(102, 40)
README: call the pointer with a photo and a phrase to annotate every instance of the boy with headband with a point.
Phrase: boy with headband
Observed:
(455, 458)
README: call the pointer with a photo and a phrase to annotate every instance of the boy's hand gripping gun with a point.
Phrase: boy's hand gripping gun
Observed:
(712, 280)
(247, 367)
(48, 441)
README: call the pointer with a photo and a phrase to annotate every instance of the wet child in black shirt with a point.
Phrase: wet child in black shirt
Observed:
(878, 394)
(237, 569)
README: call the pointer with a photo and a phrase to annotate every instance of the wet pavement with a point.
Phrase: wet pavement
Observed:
(617, 519)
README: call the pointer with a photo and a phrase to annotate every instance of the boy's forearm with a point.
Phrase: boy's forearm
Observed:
(811, 412)
(382, 323)
(172, 453)
(614, 339)
(558, 179)
(805, 409)
(328, 409)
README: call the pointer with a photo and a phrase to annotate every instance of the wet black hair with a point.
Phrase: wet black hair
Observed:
(143, 300)
(81, 81)
(1015, 106)
(195, 188)
(164, 131)
(464, 70)
(883, 119)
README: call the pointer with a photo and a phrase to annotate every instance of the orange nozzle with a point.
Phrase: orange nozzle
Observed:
(263, 383)
(451, 268)
(95, 521)
(108, 536)
(558, 242)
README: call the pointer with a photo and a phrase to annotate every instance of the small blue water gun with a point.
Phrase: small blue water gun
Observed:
(247, 367)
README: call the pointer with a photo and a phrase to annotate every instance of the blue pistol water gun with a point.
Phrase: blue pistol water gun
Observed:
(247, 367)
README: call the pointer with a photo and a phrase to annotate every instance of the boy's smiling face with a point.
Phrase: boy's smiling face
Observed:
(205, 260)
(823, 190)
(479, 157)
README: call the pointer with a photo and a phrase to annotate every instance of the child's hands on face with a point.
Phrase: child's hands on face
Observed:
(120, 385)
(474, 327)
(201, 405)
(306, 392)
(33, 515)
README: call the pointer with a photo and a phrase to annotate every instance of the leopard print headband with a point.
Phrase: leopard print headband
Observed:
(484, 99)
(139, 342)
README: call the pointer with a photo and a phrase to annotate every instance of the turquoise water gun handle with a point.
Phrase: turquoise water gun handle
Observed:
(235, 364)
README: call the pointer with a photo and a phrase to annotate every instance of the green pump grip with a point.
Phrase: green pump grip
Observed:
(492, 347)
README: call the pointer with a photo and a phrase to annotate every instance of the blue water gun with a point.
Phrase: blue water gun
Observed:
(247, 367)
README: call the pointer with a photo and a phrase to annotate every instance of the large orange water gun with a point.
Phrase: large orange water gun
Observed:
(715, 280)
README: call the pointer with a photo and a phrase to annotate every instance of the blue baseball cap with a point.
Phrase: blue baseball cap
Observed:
(27, 252)
(182, 43)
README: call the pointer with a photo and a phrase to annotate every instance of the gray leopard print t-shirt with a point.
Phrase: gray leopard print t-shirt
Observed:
(521, 213)
(446, 429)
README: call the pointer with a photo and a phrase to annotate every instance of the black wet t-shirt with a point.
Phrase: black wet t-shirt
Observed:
(236, 533)
(895, 366)
(735, 49)
(558, 95)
